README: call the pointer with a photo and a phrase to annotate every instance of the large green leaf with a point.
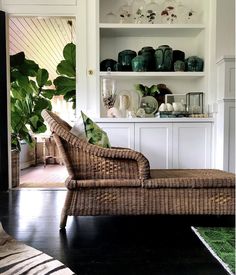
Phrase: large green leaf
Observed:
(48, 83)
(22, 107)
(34, 120)
(24, 135)
(16, 121)
(34, 87)
(41, 103)
(48, 93)
(15, 73)
(70, 96)
(22, 80)
(42, 77)
(17, 93)
(154, 90)
(66, 68)
(17, 59)
(64, 84)
(29, 67)
(41, 128)
(69, 53)
(29, 102)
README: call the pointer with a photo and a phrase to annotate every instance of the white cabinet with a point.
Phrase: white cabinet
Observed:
(154, 140)
(192, 145)
(119, 134)
(167, 145)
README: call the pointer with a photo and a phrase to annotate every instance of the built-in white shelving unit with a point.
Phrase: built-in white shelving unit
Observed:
(189, 38)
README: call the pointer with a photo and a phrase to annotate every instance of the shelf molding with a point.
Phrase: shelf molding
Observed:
(145, 30)
(150, 26)
(153, 74)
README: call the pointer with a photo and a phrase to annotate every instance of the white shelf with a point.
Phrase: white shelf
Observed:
(149, 75)
(145, 30)
(152, 119)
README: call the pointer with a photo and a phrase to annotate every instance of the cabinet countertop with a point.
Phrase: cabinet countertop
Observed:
(153, 119)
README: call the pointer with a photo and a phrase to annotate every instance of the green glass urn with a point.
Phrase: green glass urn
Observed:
(139, 64)
(194, 64)
(163, 58)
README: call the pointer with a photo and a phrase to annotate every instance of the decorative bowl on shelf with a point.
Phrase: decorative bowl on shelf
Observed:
(107, 65)
(149, 104)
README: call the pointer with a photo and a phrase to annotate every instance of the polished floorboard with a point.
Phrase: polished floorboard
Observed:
(137, 245)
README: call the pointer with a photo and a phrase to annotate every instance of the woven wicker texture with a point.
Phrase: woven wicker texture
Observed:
(118, 181)
(190, 178)
(88, 161)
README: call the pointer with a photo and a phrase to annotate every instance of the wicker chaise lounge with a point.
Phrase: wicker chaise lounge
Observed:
(119, 181)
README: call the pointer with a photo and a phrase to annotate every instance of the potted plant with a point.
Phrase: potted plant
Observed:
(157, 90)
(28, 98)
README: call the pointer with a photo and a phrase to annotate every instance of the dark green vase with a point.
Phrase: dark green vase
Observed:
(163, 58)
(139, 64)
(125, 59)
(194, 64)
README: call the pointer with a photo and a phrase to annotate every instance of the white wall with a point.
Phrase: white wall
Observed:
(225, 28)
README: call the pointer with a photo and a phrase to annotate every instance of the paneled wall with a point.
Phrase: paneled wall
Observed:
(225, 118)
(225, 28)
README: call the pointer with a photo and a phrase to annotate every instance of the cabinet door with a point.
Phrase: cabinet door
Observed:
(120, 134)
(192, 145)
(154, 140)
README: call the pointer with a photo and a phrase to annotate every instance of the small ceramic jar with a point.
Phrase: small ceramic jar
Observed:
(179, 66)
(194, 64)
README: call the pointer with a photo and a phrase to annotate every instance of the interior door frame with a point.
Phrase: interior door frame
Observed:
(5, 175)
(74, 8)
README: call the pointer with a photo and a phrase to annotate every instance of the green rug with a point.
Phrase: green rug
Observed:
(220, 241)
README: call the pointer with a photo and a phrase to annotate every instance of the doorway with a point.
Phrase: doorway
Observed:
(43, 39)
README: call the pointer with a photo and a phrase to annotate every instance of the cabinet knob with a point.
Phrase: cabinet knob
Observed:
(90, 72)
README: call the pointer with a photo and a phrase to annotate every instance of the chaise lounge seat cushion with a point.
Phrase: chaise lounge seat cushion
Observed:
(164, 178)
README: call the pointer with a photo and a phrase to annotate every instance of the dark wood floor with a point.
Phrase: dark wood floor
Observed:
(149, 245)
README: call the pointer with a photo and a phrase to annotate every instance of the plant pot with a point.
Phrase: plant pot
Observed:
(15, 167)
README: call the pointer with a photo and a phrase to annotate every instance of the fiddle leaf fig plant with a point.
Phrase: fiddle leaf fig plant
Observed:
(65, 83)
(29, 96)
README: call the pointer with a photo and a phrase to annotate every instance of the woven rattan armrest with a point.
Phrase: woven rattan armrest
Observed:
(62, 131)
(114, 156)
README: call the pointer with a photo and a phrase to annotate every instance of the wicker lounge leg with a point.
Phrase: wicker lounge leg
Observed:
(65, 210)
(63, 219)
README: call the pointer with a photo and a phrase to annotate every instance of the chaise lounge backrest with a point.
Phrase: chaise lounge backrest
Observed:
(85, 161)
